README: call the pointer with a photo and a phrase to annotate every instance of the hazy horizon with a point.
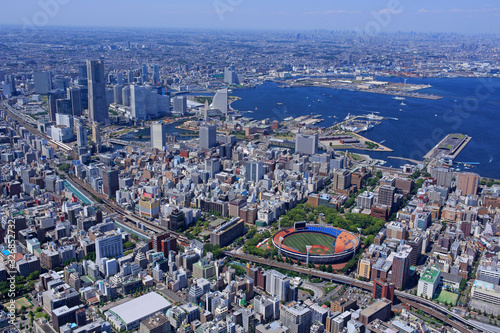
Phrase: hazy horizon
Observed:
(379, 16)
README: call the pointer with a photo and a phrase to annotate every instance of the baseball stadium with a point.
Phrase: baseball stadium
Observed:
(328, 245)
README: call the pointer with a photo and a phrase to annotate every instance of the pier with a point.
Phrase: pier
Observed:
(451, 146)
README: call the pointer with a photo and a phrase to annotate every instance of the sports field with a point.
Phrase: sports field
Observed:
(322, 244)
(448, 297)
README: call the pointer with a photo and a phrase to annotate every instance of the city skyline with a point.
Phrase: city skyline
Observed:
(369, 16)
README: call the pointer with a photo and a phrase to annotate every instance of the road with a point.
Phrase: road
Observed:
(429, 307)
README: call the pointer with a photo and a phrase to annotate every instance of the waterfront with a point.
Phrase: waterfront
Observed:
(469, 106)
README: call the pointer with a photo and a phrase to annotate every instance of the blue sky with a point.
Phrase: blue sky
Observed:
(463, 16)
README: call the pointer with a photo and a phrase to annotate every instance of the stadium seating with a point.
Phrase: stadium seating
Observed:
(326, 230)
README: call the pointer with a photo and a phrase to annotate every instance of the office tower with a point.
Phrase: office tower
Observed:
(81, 135)
(110, 183)
(43, 82)
(126, 96)
(75, 95)
(444, 176)
(158, 135)
(111, 79)
(145, 75)
(212, 165)
(342, 179)
(230, 76)
(96, 135)
(306, 144)
(63, 106)
(52, 106)
(220, 101)
(401, 268)
(205, 112)
(467, 183)
(254, 171)
(208, 136)
(152, 103)
(118, 94)
(98, 105)
(180, 105)
(108, 246)
(11, 83)
(130, 77)
(277, 284)
(119, 78)
(297, 317)
(138, 102)
(82, 75)
(61, 83)
(156, 74)
(386, 195)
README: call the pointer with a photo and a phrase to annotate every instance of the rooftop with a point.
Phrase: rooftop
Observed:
(431, 274)
(140, 307)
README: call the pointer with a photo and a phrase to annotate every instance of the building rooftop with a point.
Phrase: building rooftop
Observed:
(140, 307)
(431, 274)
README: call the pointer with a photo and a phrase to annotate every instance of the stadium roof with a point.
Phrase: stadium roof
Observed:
(140, 307)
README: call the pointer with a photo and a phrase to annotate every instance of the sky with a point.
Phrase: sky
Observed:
(461, 16)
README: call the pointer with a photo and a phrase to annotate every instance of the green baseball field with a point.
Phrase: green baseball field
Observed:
(321, 243)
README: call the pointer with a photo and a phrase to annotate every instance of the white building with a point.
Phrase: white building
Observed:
(429, 282)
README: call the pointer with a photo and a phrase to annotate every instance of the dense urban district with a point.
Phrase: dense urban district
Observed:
(136, 198)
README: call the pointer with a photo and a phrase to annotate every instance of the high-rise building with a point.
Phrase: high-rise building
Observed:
(130, 77)
(96, 135)
(212, 165)
(110, 182)
(158, 135)
(126, 95)
(43, 82)
(82, 75)
(109, 245)
(81, 135)
(297, 317)
(75, 95)
(467, 182)
(277, 284)
(208, 136)
(180, 106)
(117, 94)
(401, 268)
(145, 75)
(119, 78)
(52, 106)
(138, 102)
(306, 144)
(386, 195)
(230, 76)
(444, 176)
(156, 74)
(63, 106)
(220, 101)
(254, 171)
(98, 105)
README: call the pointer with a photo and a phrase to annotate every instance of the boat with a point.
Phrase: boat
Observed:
(320, 100)
(403, 103)
(279, 103)
(400, 109)
(435, 115)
